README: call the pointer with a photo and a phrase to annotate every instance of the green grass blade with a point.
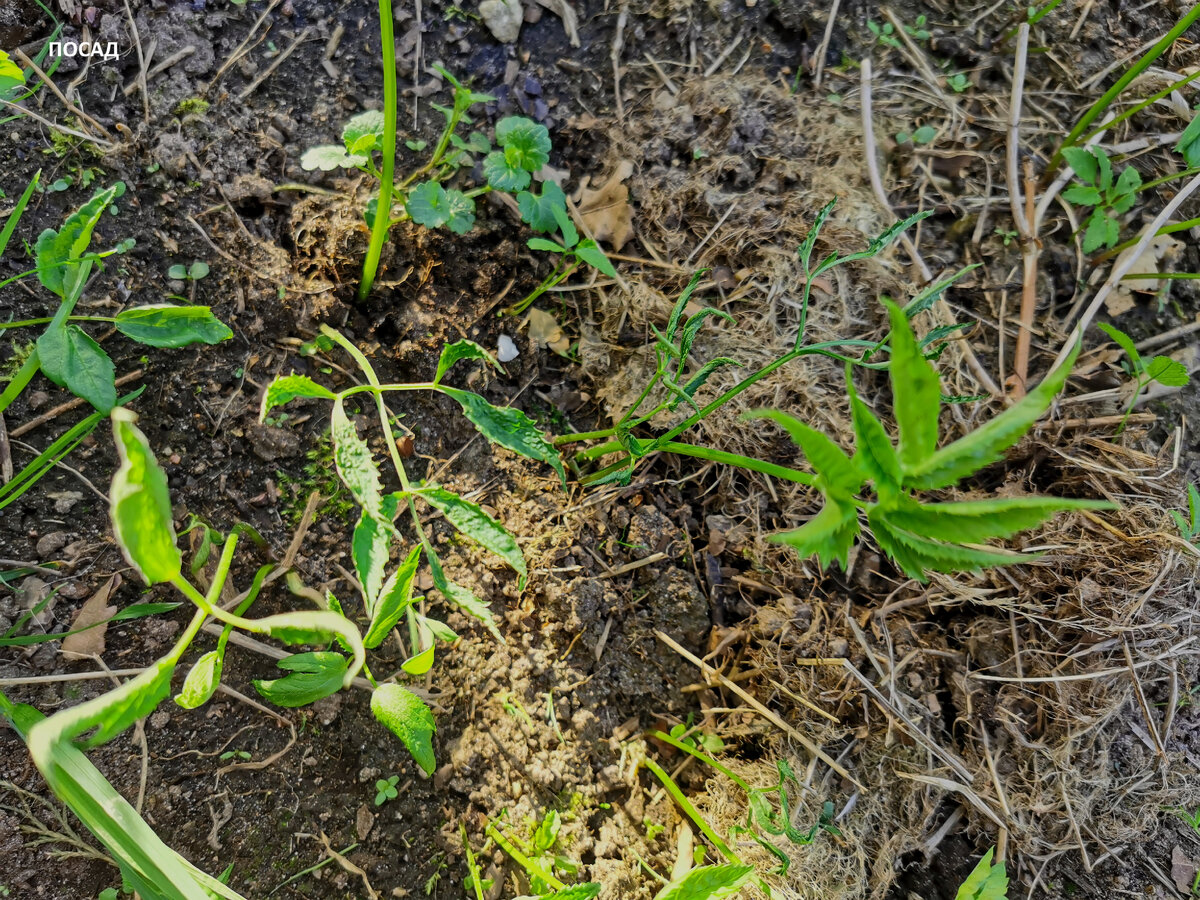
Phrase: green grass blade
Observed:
(10, 224)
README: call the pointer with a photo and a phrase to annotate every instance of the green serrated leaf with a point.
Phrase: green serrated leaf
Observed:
(1167, 372)
(140, 505)
(986, 444)
(407, 717)
(364, 132)
(286, 388)
(1082, 163)
(838, 473)
(460, 350)
(476, 524)
(537, 210)
(202, 681)
(164, 325)
(681, 306)
(1189, 142)
(463, 598)
(874, 451)
(916, 395)
(1125, 342)
(508, 427)
(369, 547)
(312, 676)
(828, 535)
(71, 359)
(708, 883)
(526, 143)
(976, 521)
(316, 627)
(395, 597)
(503, 175)
(328, 157)
(1082, 195)
(461, 209)
(1104, 179)
(1096, 233)
(1129, 181)
(804, 251)
(587, 891)
(916, 554)
(986, 882)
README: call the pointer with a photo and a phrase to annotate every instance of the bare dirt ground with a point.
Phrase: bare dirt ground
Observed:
(1044, 708)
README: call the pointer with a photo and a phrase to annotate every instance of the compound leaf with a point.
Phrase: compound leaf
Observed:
(503, 175)
(407, 717)
(140, 505)
(875, 454)
(537, 210)
(975, 521)
(526, 143)
(312, 676)
(164, 325)
(916, 554)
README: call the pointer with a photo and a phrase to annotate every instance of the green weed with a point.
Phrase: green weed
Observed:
(1110, 197)
(1162, 369)
(986, 881)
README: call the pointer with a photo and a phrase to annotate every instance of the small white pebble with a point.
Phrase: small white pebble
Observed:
(506, 350)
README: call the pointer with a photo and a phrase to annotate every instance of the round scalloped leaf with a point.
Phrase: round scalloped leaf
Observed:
(327, 157)
(503, 175)
(462, 212)
(364, 132)
(526, 143)
(428, 205)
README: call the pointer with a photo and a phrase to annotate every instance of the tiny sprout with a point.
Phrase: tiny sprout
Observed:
(232, 754)
(385, 790)
(194, 272)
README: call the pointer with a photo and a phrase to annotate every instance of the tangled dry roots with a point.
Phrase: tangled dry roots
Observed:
(1033, 702)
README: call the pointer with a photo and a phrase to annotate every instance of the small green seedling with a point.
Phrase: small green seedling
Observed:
(1189, 528)
(1005, 235)
(687, 733)
(547, 212)
(243, 755)
(385, 790)
(1109, 198)
(986, 881)
(197, 270)
(542, 863)
(958, 82)
(1162, 369)
(885, 34)
(923, 135)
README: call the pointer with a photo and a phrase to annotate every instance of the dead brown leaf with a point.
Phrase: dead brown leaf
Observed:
(95, 610)
(544, 330)
(1161, 250)
(606, 210)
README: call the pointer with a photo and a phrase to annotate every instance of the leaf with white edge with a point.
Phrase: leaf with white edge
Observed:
(976, 521)
(874, 451)
(916, 395)
(1124, 341)
(10, 70)
(463, 598)
(502, 175)
(316, 627)
(71, 359)
(355, 464)
(986, 444)
(428, 205)
(328, 157)
(508, 427)
(201, 682)
(420, 663)
(407, 717)
(120, 708)
(369, 547)
(461, 209)
(164, 325)
(526, 143)
(460, 350)
(476, 524)
(140, 505)
(708, 883)
(537, 210)
(1167, 372)
(286, 388)
(312, 676)
(364, 132)
(58, 252)
(828, 535)
(838, 472)
(591, 254)
(986, 881)
(439, 630)
(394, 598)
(1082, 163)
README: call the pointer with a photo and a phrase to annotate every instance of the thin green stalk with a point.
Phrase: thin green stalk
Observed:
(691, 811)
(46, 320)
(554, 279)
(1100, 106)
(1134, 110)
(472, 866)
(1166, 229)
(1186, 173)
(735, 459)
(383, 212)
(1167, 276)
(24, 375)
(529, 865)
(11, 224)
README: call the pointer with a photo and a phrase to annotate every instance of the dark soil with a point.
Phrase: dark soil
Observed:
(531, 724)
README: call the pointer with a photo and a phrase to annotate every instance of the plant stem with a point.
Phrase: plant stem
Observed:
(45, 320)
(552, 280)
(736, 459)
(691, 811)
(383, 211)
